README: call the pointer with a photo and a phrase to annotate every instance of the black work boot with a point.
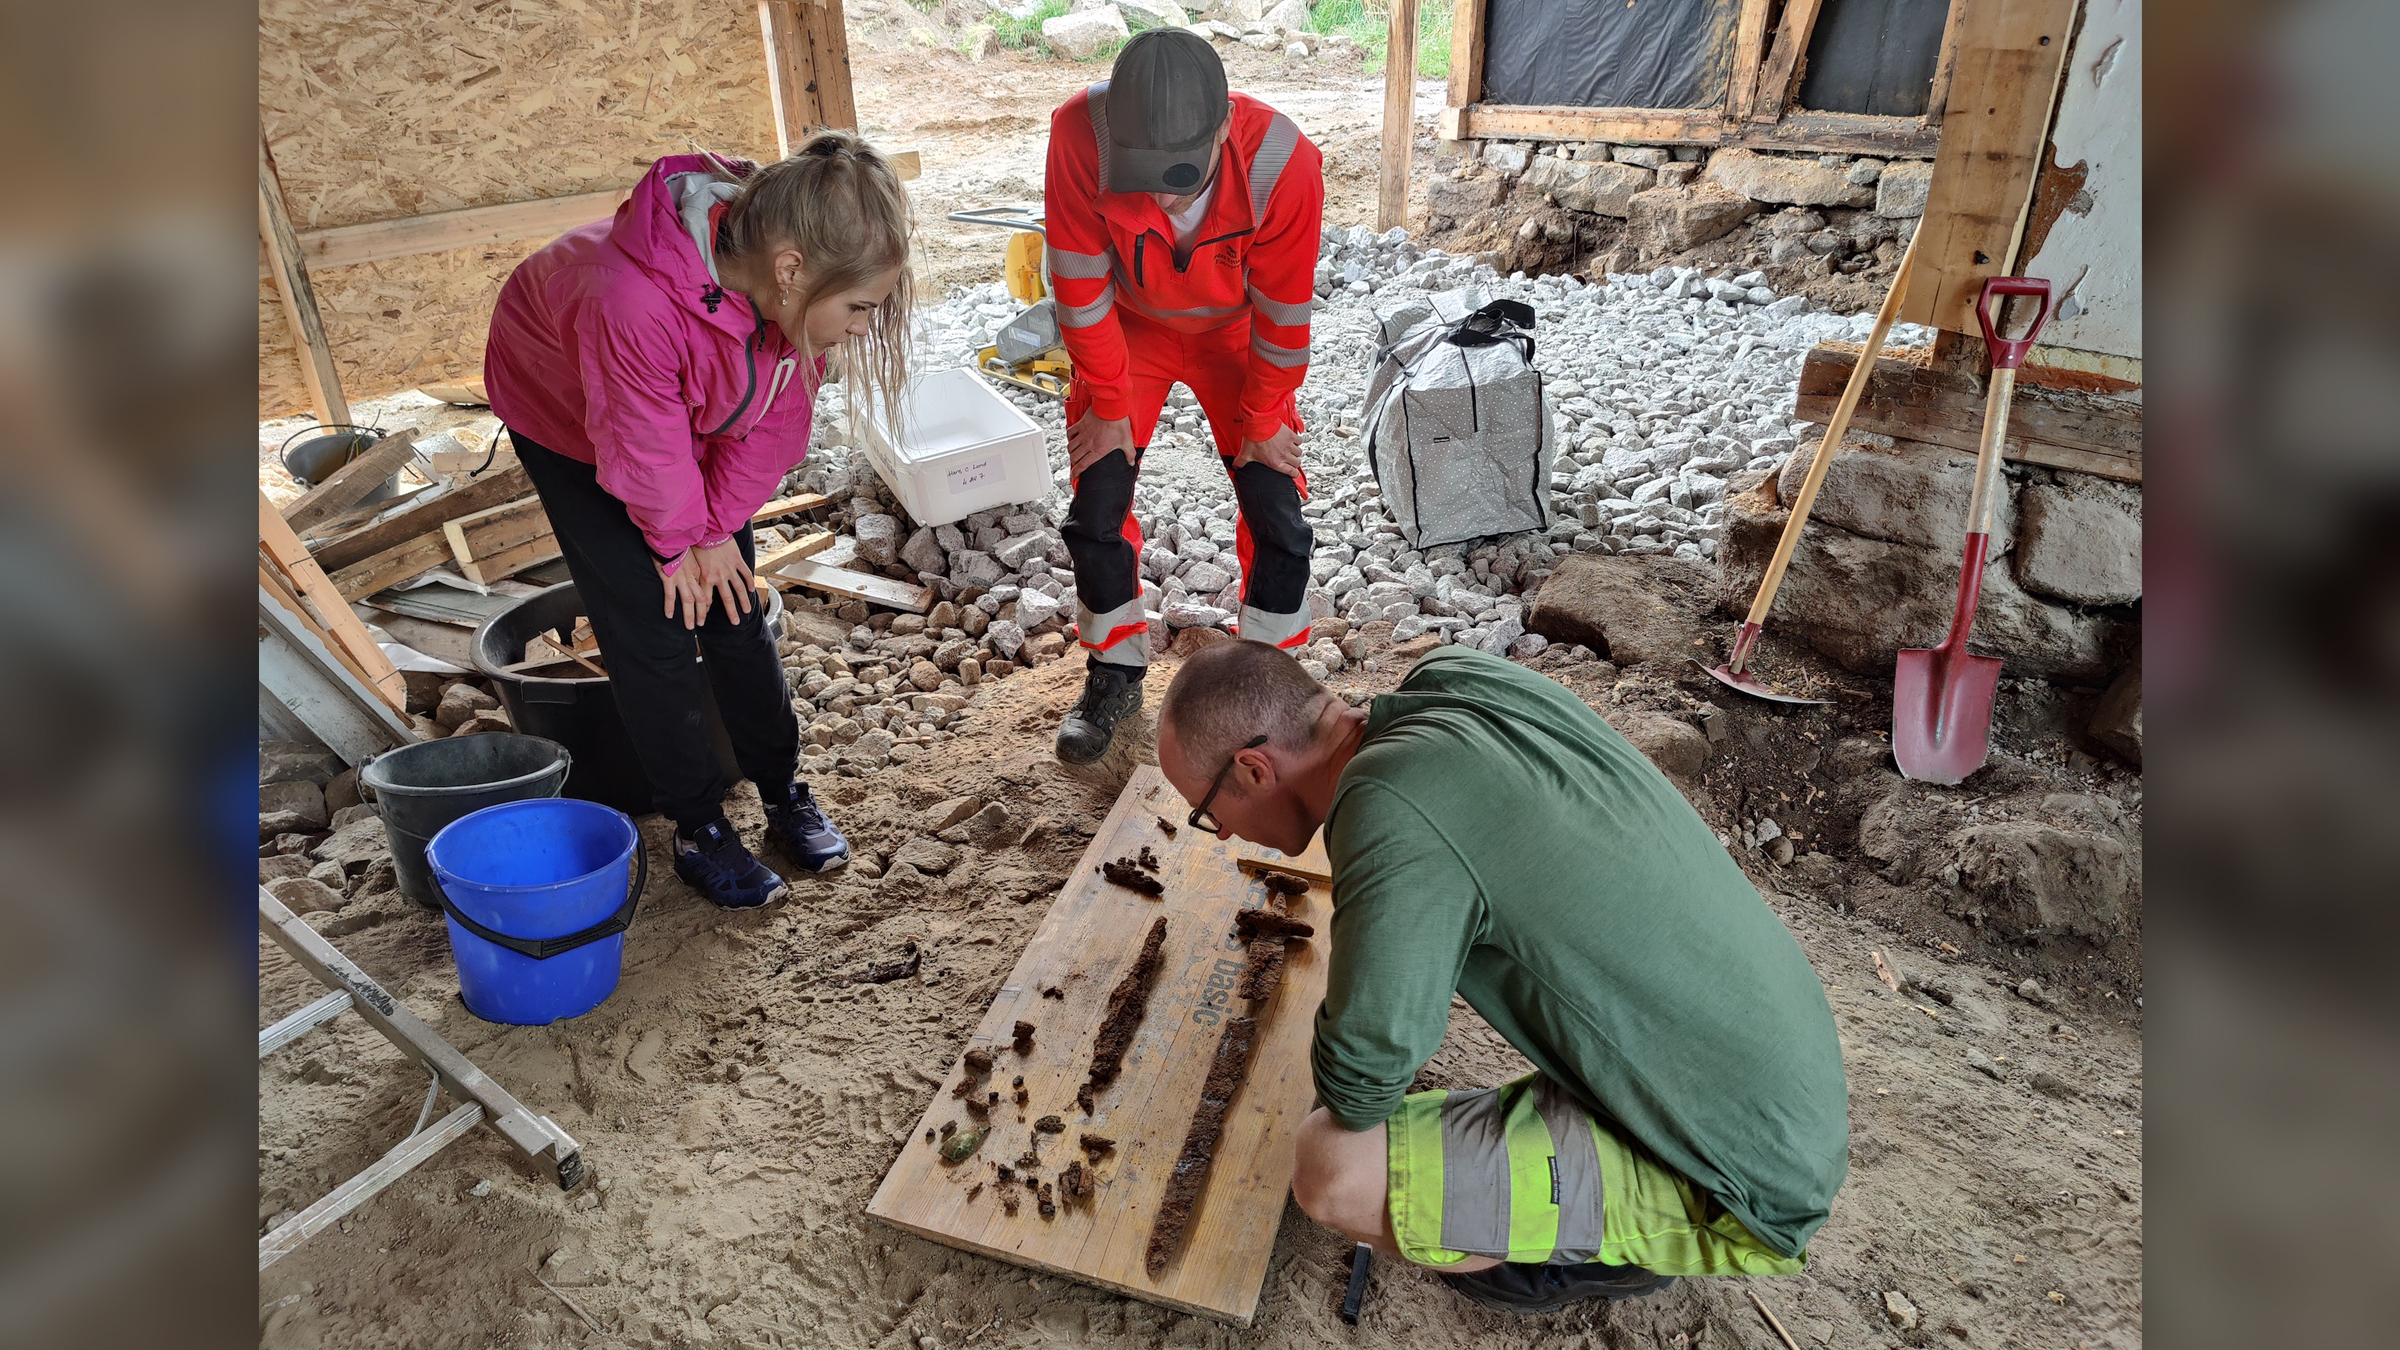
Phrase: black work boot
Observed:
(1527, 1288)
(1110, 694)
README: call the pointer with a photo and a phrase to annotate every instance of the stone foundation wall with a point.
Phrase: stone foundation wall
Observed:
(1877, 567)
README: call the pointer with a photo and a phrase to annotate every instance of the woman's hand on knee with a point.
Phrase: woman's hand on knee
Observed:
(724, 573)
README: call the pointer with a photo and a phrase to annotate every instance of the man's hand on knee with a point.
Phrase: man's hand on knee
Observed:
(1093, 438)
(1280, 452)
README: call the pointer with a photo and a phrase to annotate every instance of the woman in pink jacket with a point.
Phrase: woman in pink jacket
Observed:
(656, 373)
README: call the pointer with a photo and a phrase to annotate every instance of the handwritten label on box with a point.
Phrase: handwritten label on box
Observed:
(982, 473)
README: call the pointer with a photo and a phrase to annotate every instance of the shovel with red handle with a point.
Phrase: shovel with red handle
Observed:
(1942, 696)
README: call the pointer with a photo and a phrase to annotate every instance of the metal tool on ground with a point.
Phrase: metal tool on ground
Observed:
(1942, 696)
(1734, 674)
(481, 1101)
(1028, 351)
(1362, 1257)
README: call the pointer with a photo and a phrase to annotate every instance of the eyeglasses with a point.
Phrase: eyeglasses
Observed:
(1200, 819)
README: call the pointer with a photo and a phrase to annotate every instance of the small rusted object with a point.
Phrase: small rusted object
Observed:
(1095, 1145)
(962, 1146)
(1050, 1125)
(1083, 1099)
(1166, 825)
(1053, 991)
(1146, 860)
(929, 1134)
(1030, 1160)
(1005, 1172)
(1021, 1038)
(1046, 1203)
(1282, 883)
(981, 1110)
(1075, 1183)
(978, 1062)
(1023, 1096)
(1258, 923)
(1008, 1203)
(973, 1191)
(949, 1127)
(1017, 1082)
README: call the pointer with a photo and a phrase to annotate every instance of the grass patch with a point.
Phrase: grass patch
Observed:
(1369, 24)
(1025, 35)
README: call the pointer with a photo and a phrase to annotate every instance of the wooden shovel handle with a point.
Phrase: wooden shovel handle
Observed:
(1834, 431)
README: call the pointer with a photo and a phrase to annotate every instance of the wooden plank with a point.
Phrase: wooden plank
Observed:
(875, 590)
(806, 547)
(498, 486)
(410, 558)
(1781, 75)
(289, 270)
(1084, 945)
(785, 506)
(543, 218)
(828, 38)
(1825, 133)
(1911, 396)
(1749, 51)
(906, 164)
(304, 677)
(2010, 55)
(346, 486)
(331, 611)
(808, 68)
(465, 394)
(507, 546)
(501, 528)
(1399, 116)
(1466, 51)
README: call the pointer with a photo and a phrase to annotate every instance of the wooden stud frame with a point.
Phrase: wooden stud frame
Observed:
(1399, 115)
(1768, 65)
(808, 68)
(287, 265)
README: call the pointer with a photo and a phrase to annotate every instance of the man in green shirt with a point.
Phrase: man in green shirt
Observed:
(1492, 837)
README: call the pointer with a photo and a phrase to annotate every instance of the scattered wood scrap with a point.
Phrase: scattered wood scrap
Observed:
(1128, 873)
(1225, 1077)
(287, 573)
(424, 517)
(348, 485)
(498, 543)
(1126, 1004)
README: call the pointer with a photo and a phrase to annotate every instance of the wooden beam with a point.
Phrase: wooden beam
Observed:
(785, 506)
(1749, 52)
(1937, 98)
(1823, 133)
(348, 485)
(875, 590)
(504, 485)
(409, 558)
(808, 68)
(289, 271)
(329, 611)
(1399, 116)
(2002, 95)
(542, 218)
(1916, 396)
(1781, 75)
(807, 546)
(1466, 51)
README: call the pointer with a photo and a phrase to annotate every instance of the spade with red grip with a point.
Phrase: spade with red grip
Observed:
(1942, 696)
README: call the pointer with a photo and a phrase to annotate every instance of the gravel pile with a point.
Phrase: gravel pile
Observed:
(1667, 386)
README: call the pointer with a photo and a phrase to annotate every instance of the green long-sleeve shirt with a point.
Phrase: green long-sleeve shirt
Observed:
(1494, 837)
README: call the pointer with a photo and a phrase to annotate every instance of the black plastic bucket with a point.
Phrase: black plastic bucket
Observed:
(420, 788)
(581, 713)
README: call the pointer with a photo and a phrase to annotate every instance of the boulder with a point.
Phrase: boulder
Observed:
(969, 567)
(1080, 37)
(2117, 722)
(1620, 607)
(1900, 189)
(2026, 879)
(1507, 156)
(460, 703)
(922, 552)
(1289, 16)
(1604, 189)
(292, 761)
(342, 791)
(1915, 497)
(354, 845)
(1464, 196)
(1643, 156)
(1800, 180)
(1241, 14)
(300, 798)
(1860, 600)
(1152, 13)
(878, 538)
(1670, 220)
(2081, 542)
(1678, 748)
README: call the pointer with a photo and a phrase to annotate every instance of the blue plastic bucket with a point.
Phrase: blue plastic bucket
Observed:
(538, 895)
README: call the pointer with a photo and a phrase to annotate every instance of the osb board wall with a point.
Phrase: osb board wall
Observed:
(385, 109)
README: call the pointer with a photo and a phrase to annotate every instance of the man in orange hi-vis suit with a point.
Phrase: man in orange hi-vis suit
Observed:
(1183, 224)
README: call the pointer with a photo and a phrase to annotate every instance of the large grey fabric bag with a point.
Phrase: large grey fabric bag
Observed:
(1458, 428)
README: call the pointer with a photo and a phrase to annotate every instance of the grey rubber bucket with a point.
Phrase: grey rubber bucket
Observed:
(421, 788)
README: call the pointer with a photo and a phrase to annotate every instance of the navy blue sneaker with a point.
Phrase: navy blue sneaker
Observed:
(715, 864)
(799, 824)
(1527, 1288)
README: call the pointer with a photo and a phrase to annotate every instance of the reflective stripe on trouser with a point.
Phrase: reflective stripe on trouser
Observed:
(1524, 1173)
(1272, 540)
(1120, 636)
(1276, 630)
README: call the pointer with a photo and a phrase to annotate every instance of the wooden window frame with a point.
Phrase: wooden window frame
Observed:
(1770, 58)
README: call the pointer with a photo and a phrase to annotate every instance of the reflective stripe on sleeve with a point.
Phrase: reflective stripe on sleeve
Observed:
(1266, 167)
(1290, 316)
(1084, 316)
(1276, 354)
(1083, 266)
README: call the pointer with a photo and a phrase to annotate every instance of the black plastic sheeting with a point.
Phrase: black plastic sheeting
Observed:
(1610, 53)
(1873, 56)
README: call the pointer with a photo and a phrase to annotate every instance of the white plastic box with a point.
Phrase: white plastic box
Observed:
(962, 448)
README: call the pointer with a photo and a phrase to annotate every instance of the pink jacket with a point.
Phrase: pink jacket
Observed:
(615, 345)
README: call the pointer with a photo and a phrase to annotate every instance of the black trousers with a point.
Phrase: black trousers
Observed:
(655, 665)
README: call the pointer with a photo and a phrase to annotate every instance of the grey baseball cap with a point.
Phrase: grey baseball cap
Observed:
(1166, 99)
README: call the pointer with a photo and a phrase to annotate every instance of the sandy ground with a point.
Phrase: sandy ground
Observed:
(739, 1097)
